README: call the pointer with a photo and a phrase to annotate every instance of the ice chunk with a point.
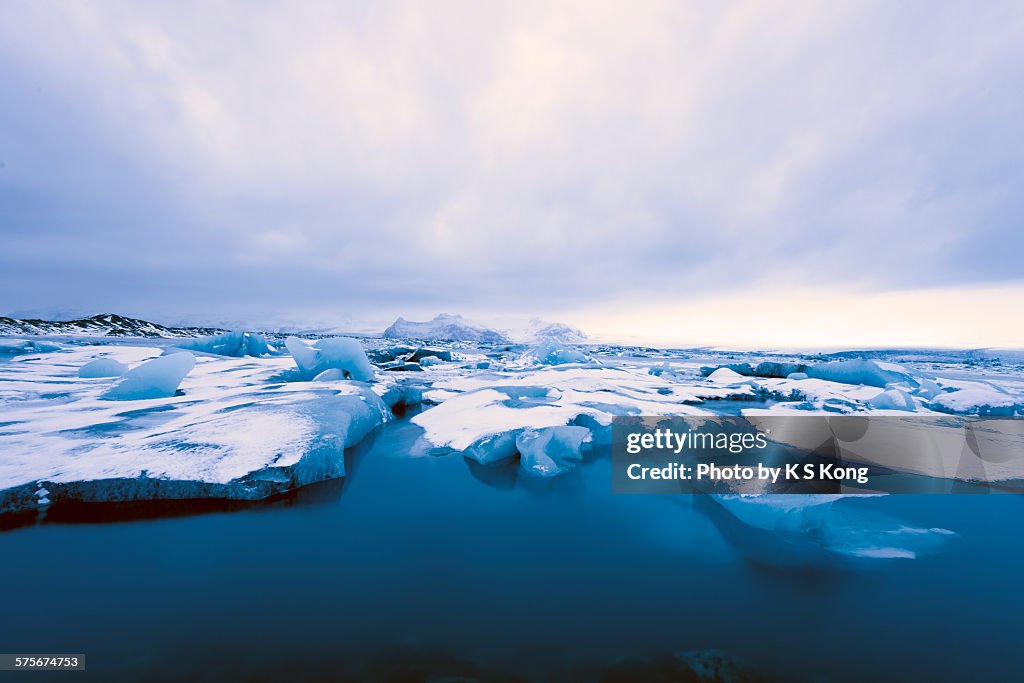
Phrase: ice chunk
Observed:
(893, 399)
(797, 375)
(444, 327)
(979, 401)
(102, 367)
(237, 344)
(928, 388)
(868, 372)
(14, 347)
(157, 378)
(553, 352)
(342, 353)
(552, 450)
(777, 369)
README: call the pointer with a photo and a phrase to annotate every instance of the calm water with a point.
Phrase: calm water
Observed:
(433, 559)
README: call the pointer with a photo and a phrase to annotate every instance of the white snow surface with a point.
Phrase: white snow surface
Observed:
(234, 418)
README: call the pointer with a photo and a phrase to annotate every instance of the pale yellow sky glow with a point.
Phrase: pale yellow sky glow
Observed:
(803, 319)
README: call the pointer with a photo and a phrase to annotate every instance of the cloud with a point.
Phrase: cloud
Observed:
(381, 158)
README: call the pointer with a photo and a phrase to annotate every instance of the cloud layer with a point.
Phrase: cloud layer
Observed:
(355, 162)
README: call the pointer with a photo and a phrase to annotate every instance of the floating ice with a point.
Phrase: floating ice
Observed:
(235, 344)
(552, 450)
(15, 347)
(157, 378)
(553, 352)
(341, 353)
(102, 367)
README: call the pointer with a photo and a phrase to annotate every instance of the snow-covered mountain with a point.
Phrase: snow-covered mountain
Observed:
(104, 324)
(541, 330)
(444, 327)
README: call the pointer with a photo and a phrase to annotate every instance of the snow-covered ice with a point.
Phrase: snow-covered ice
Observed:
(233, 427)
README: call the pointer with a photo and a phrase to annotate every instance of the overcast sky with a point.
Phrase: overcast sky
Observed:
(820, 172)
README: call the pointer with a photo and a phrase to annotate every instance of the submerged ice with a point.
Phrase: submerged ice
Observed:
(801, 529)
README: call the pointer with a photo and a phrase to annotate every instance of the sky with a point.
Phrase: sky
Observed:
(797, 173)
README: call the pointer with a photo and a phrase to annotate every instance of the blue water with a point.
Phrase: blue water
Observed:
(431, 558)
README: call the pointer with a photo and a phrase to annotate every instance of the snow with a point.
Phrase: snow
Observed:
(235, 430)
(444, 327)
(979, 401)
(103, 367)
(340, 353)
(726, 376)
(236, 344)
(158, 378)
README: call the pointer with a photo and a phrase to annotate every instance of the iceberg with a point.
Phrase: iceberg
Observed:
(340, 353)
(157, 378)
(236, 344)
(444, 327)
(102, 367)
